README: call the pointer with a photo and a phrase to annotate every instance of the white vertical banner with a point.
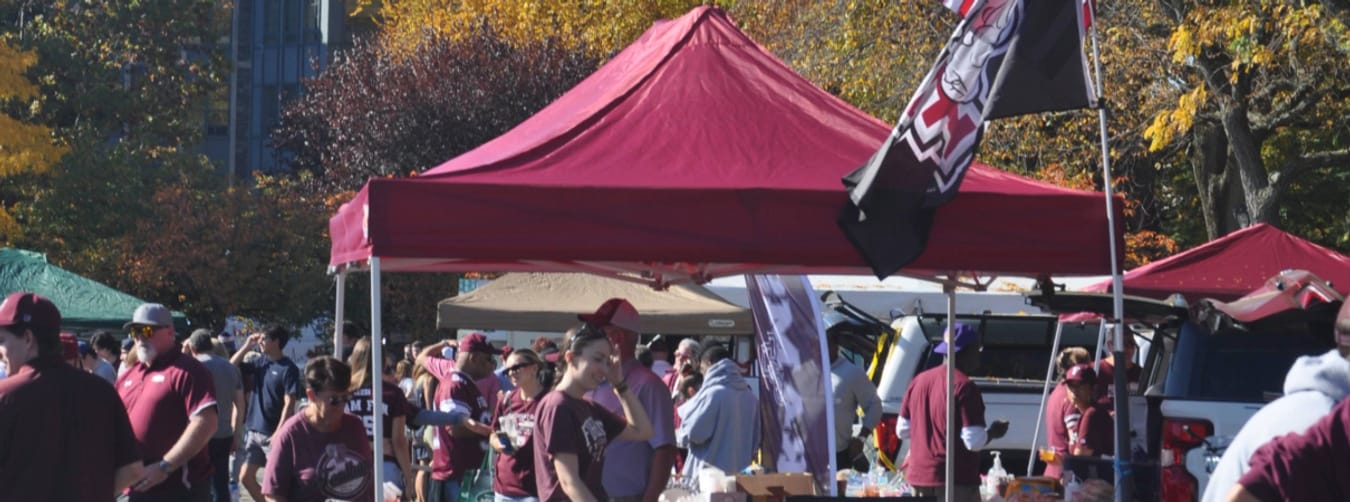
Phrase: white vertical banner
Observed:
(795, 398)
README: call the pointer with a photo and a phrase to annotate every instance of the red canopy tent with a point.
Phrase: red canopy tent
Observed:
(1233, 265)
(691, 154)
(694, 153)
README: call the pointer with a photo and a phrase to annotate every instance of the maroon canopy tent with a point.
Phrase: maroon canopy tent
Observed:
(1233, 265)
(691, 154)
(694, 153)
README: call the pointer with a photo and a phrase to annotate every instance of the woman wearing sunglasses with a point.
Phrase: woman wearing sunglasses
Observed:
(322, 452)
(513, 426)
(571, 432)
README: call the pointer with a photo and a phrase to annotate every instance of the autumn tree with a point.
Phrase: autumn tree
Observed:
(597, 27)
(1265, 92)
(381, 112)
(26, 149)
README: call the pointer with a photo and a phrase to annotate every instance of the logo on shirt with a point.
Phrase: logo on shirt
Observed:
(518, 426)
(596, 440)
(342, 474)
(157, 379)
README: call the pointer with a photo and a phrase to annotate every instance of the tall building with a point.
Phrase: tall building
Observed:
(273, 46)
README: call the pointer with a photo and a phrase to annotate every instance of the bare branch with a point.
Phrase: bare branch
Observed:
(1292, 170)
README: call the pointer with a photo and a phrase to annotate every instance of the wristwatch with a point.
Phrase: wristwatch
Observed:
(165, 466)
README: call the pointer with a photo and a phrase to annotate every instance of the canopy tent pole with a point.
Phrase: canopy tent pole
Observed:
(950, 480)
(377, 375)
(338, 312)
(1124, 476)
(1045, 395)
(1099, 349)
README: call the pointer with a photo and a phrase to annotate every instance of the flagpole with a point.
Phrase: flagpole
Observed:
(1124, 477)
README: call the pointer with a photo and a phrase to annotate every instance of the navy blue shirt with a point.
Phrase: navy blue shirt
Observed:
(272, 382)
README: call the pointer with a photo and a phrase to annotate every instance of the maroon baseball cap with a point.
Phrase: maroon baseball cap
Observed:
(1081, 373)
(29, 309)
(614, 312)
(476, 342)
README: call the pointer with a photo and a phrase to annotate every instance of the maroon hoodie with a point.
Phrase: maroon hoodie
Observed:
(1305, 467)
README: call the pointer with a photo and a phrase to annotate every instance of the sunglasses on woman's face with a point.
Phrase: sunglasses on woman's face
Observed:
(510, 370)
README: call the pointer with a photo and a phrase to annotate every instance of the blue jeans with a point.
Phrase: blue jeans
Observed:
(497, 497)
(449, 490)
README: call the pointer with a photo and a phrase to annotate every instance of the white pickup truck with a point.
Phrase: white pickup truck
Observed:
(1015, 357)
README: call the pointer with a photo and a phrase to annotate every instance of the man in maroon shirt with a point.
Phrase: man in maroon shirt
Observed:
(49, 448)
(170, 398)
(457, 449)
(923, 418)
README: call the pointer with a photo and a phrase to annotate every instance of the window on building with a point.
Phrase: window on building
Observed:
(312, 10)
(272, 21)
(293, 21)
(271, 108)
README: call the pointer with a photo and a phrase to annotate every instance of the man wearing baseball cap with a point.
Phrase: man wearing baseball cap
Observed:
(923, 420)
(171, 399)
(634, 470)
(459, 448)
(49, 448)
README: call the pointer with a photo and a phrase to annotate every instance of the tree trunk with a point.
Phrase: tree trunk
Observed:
(1259, 196)
(1210, 166)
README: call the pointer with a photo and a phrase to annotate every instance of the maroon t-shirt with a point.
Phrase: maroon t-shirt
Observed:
(1106, 380)
(395, 403)
(924, 406)
(63, 433)
(515, 472)
(160, 398)
(310, 465)
(452, 456)
(1311, 466)
(1096, 430)
(566, 424)
(1057, 408)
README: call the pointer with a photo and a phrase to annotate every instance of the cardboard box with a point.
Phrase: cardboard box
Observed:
(775, 487)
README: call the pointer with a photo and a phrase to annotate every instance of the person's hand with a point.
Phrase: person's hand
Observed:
(615, 369)
(151, 476)
(997, 429)
(255, 340)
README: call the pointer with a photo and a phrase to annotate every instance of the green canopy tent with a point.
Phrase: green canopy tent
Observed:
(85, 304)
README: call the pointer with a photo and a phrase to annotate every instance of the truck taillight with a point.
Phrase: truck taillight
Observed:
(1178, 437)
(888, 445)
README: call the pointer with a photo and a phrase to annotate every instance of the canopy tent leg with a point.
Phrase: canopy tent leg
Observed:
(1098, 352)
(1045, 395)
(377, 375)
(950, 480)
(339, 313)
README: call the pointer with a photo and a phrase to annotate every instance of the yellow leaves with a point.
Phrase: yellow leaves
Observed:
(1169, 124)
(599, 26)
(24, 148)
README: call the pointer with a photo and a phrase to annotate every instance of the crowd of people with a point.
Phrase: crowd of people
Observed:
(185, 419)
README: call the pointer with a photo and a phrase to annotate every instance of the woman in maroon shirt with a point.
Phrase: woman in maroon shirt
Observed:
(513, 427)
(1095, 431)
(1058, 408)
(397, 456)
(571, 433)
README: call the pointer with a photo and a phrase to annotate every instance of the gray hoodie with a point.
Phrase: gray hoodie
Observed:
(720, 424)
(1311, 389)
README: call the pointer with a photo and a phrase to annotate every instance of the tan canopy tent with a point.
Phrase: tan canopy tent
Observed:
(551, 302)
